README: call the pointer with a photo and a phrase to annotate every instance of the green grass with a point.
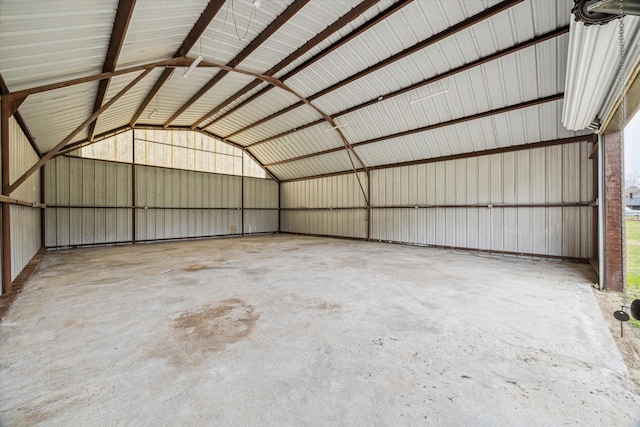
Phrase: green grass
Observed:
(633, 258)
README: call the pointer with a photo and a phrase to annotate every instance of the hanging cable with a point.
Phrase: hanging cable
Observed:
(235, 23)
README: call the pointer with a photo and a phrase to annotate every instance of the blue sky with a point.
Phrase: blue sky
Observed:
(632, 147)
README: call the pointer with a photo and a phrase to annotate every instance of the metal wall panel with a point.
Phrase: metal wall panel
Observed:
(22, 158)
(315, 197)
(25, 237)
(260, 193)
(434, 204)
(25, 221)
(558, 174)
(87, 191)
(184, 190)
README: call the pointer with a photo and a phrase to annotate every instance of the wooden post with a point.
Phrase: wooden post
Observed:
(614, 239)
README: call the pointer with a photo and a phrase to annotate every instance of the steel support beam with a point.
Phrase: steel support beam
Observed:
(274, 26)
(198, 29)
(337, 25)
(120, 25)
(531, 146)
(79, 129)
(427, 128)
(133, 186)
(460, 26)
(6, 206)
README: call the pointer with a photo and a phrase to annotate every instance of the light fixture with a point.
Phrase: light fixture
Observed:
(613, 7)
(193, 66)
(257, 3)
(428, 96)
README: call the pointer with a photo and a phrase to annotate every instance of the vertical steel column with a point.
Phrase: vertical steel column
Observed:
(6, 208)
(368, 205)
(133, 186)
(43, 217)
(594, 194)
(242, 195)
(614, 256)
(279, 207)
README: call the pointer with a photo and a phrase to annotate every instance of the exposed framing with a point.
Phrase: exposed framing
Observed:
(485, 14)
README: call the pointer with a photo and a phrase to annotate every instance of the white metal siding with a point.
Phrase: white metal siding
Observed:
(315, 197)
(25, 221)
(22, 158)
(541, 176)
(191, 193)
(25, 237)
(559, 174)
(99, 187)
(94, 203)
(260, 193)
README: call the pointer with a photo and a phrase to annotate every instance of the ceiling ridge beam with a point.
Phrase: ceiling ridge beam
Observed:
(264, 35)
(470, 154)
(318, 38)
(421, 129)
(196, 32)
(448, 32)
(481, 61)
(118, 33)
(4, 89)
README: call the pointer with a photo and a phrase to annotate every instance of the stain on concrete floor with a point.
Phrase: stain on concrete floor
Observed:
(210, 328)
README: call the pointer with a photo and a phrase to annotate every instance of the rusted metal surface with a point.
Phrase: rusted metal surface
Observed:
(120, 25)
(133, 187)
(4, 185)
(614, 258)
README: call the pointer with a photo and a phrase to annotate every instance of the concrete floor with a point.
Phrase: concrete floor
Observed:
(285, 330)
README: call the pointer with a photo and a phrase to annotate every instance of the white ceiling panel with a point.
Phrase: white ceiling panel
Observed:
(519, 127)
(328, 163)
(53, 115)
(44, 42)
(122, 111)
(307, 141)
(157, 29)
(312, 19)
(228, 86)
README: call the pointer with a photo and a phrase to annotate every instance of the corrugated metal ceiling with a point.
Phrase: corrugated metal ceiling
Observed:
(46, 42)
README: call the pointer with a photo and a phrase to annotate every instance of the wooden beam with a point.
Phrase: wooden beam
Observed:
(313, 42)
(196, 32)
(79, 129)
(460, 26)
(118, 32)
(6, 207)
(428, 128)
(274, 26)
(500, 150)
(344, 40)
